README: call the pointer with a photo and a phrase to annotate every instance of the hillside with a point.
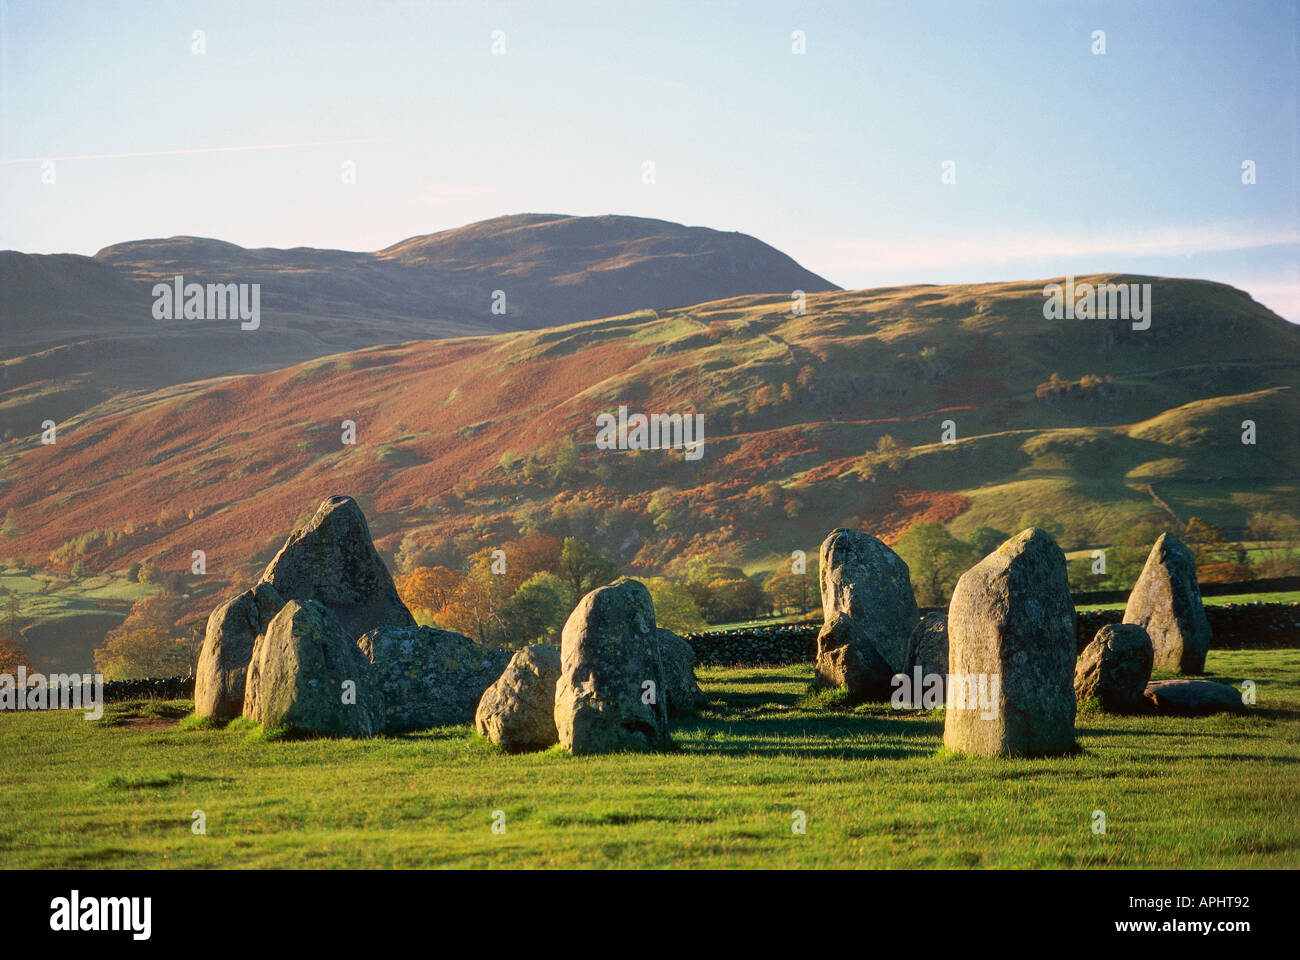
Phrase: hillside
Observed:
(78, 330)
(463, 442)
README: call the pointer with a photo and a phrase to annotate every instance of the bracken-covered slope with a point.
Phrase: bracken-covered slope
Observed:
(468, 440)
(77, 330)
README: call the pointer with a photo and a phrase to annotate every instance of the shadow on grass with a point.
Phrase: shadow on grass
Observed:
(769, 733)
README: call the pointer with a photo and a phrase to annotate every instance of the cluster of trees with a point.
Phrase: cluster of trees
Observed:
(523, 591)
(149, 643)
(1269, 546)
(512, 595)
(1089, 385)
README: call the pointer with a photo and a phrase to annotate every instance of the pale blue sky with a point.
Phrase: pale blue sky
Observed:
(1065, 161)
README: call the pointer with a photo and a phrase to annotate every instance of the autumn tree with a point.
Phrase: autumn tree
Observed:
(146, 645)
(787, 592)
(428, 588)
(537, 610)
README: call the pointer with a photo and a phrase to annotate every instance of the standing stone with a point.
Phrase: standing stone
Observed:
(428, 677)
(1166, 602)
(610, 695)
(1115, 667)
(1011, 643)
(864, 579)
(233, 628)
(518, 711)
(846, 658)
(332, 560)
(928, 649)
(308, 675)
(684, 694)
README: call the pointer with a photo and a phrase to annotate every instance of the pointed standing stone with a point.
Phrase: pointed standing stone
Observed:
(1166, 602)
(333, 561)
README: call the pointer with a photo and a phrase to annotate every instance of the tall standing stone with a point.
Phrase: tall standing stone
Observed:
(1166, 602)
(1011, 637)
(333, 561)
(611, 694)
(864, 579)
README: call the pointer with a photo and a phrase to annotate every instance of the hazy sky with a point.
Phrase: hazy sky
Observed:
(1065, 161)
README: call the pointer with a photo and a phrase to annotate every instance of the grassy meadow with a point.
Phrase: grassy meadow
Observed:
(875, 786)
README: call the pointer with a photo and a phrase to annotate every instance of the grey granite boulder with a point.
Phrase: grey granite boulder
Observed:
(308, 675)
(333, 561)
(1114, 668)
(682, 689)
(865, 580)
(227, 649)
(518, 711)
(611, 691)
(847, 659)
(1011, 653)
(1193, 698)
(1166, 602)
(429, 677)
(928, 650)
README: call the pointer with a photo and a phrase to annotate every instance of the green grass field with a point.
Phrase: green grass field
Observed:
(875, 786)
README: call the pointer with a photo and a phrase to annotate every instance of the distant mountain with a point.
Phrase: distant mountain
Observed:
(468, 440)
(77, 330)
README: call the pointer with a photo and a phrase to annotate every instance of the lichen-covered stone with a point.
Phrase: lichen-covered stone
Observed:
(610, 695)
(847, 659)
(333, 561)
(864, 579)
(518, 711)
(222, 669)
(928, 649)
(1114, 668)
(429, 677)
(307, 675)
(683, 691)
(1166, 602)
(1011, 627)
